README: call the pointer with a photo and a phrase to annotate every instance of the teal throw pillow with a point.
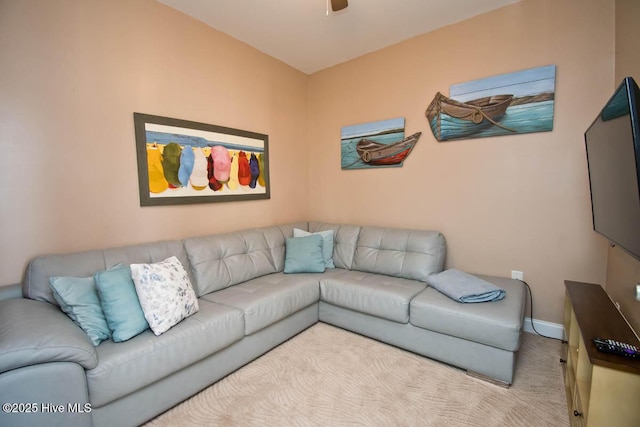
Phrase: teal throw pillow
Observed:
(120, 303)
(78, 298)
(304, 255)
(327, 244)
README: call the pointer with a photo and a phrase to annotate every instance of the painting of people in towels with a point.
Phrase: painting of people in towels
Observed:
(182, 162)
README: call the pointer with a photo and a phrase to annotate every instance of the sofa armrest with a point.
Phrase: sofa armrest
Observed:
(34, 332)
(11, 291)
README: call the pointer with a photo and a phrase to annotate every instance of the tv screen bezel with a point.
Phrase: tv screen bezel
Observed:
(632, 93)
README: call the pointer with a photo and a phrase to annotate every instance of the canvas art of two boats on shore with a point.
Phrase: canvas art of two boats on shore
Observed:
(507, 104)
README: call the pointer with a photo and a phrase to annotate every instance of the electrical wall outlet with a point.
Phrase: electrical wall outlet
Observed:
(518, 275)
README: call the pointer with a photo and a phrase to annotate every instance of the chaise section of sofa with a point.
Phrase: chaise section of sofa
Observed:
(497, 324)
(386, 296)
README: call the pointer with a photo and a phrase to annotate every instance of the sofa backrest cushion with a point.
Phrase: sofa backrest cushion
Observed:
(344, 241)
(411, 254)
(223, 260)
(87, 263)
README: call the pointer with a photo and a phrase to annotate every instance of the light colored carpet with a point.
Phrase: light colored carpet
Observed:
(326, 376)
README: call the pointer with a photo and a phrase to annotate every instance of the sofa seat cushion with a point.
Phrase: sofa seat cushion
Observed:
(375, 294)
(128, 366)
(495, 323)
(268, 299)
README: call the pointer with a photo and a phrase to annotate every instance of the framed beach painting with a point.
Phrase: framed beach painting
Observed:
(376, 144)
(183, 162)
(507, 104)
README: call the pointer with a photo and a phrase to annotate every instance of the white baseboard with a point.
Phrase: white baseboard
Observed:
(554, 330)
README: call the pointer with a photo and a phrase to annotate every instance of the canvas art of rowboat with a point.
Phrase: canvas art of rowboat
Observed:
(506, 104)
(376, 145)
(450, 119)
(375, 153)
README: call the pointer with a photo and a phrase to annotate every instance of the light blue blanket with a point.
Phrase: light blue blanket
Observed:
(464, 287)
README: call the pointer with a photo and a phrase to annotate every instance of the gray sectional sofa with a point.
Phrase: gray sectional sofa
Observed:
(247, 306)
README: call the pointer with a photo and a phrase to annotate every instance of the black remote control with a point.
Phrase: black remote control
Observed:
(617, 347)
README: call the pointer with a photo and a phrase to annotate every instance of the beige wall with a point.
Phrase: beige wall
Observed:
(623, 271)
(73, 73)
(511, 202)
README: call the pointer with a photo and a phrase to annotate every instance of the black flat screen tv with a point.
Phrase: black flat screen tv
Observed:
(613, 156)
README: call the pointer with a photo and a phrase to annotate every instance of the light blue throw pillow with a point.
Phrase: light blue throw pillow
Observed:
(78, 298)
(120, 303)
(327, 244)
(304, 255)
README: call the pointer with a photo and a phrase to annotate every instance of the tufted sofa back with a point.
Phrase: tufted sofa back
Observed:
(222, 260)
(412, 254)
(86, 263)
(345, 237)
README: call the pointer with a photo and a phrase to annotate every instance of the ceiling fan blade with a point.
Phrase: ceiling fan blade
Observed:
(337, 5)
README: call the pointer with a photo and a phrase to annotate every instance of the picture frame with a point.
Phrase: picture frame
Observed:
(185, 162)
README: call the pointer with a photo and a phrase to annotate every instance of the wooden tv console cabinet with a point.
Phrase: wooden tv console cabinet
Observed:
(602, 389)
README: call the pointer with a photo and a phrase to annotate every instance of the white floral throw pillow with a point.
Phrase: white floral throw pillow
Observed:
(165, 293)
